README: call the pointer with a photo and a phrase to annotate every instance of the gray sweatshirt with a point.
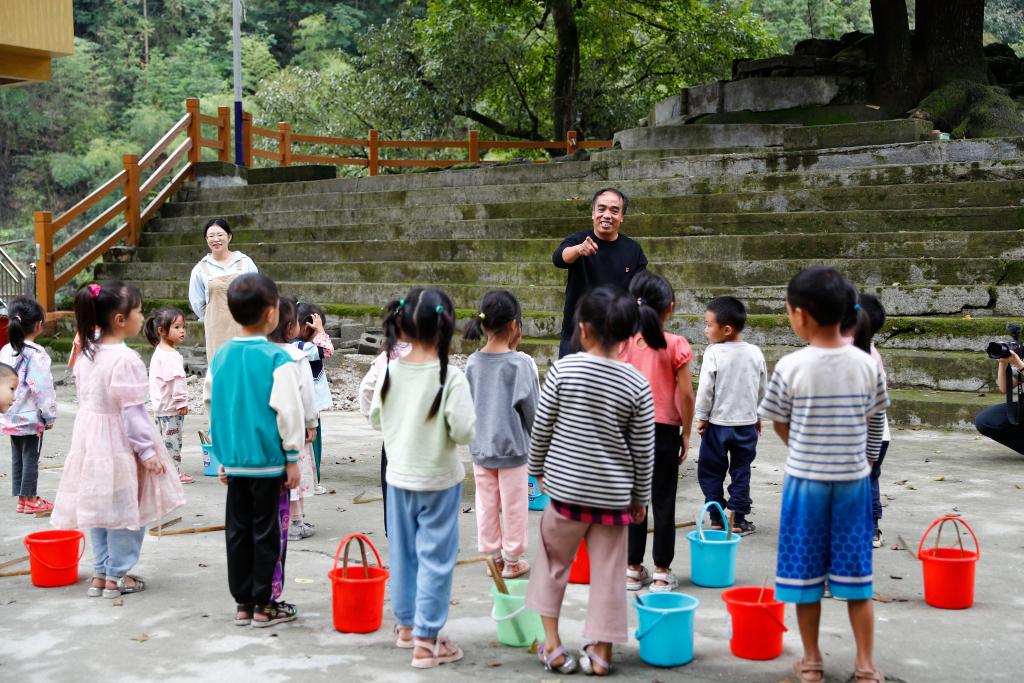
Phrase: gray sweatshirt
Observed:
(505, 393)
(733, 380)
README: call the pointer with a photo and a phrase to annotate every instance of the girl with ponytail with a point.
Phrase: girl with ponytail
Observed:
(35, 402)
(664, 359)
(168, 390)
(424, 409)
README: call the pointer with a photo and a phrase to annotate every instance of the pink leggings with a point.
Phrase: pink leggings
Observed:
(606, 606)
(502, 501)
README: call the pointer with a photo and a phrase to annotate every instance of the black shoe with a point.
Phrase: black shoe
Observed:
(743, 527)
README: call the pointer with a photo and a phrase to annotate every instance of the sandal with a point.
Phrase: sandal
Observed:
(243, 615)
(123, 589)
(39, 505)
(500, 562)
(567, 666)
(670, 582)
(275, 613)
(451, 653)
(588, 659)
(185, 479)
(637, 578)
(403, 643)
(513, 570)
(21, 506)
(869, 675)
(801, 668)
(96, 591)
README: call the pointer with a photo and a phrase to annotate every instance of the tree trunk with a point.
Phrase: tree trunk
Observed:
(948, 41)
(567, 66)
(895, 83)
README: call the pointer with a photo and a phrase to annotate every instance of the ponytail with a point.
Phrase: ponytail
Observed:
(445, 330)
(23, 315)
(159, 324)
(498, 309)
(654, 296)
(856, 322)
(150, 331)
(392, 332)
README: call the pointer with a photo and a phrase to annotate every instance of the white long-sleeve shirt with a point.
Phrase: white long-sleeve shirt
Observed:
(197, 292)
(733, 380)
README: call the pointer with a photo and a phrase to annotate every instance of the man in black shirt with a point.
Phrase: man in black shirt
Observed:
(600, 256)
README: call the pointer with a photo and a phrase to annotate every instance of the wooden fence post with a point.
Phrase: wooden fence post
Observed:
(474, 146)
(194, 132)
(374, 152)
(132, 207)
(570, 142)
(224, 133)
(45, 290)
(286, 142)
(247, 138)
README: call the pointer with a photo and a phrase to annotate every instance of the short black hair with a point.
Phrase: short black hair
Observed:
(220, 223)
(249, 295)
(728, 310)
(875, 310)
(823, 293)
(624, 198)
(610, 314)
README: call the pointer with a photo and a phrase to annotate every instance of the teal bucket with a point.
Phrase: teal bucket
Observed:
(712, 553)
(665, 631)
(538, 500)
(211, 466)
(517, 625)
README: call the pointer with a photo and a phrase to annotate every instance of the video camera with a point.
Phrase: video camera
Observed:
(1000, 350)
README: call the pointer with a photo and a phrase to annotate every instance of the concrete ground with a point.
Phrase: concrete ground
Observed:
(180, 628)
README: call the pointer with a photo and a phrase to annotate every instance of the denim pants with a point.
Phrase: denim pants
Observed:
(423, 545)
(727, 450)
(876, 473)
(115, 550)
(994, 422)
(25, 464)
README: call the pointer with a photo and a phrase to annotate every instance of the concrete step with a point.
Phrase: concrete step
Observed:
(702, 136)
(907, 196)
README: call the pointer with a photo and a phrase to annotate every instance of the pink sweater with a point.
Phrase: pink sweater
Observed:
(168, 391)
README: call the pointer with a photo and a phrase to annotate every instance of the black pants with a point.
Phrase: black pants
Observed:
(667, 442)
(727, 450)
(384, 486)
(253, 535)
(994, 422)
(25, 464)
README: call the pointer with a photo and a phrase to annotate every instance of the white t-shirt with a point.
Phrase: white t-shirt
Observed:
(826, 396)
(733, 380)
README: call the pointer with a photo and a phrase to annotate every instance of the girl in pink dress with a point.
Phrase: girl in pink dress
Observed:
(117, 476)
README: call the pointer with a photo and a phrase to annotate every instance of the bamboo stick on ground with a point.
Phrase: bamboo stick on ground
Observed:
(23, 572)
(159, 528)
(15, 561)
(194, 530)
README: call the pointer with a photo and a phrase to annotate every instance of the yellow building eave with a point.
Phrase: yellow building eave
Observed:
(32, 34)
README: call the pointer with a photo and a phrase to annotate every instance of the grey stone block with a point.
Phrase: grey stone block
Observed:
(855, 134)
(292, 174)
(703, 99)
(772, 94)
(217, 174)
(701, 136)
(668, 110)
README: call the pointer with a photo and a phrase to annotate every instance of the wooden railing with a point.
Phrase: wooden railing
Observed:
(140, 189)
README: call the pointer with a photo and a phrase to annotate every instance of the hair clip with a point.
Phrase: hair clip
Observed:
(94, 290)
(401, 302)
(481, 315)
(439, 308)
(856, 307)
(639, 301)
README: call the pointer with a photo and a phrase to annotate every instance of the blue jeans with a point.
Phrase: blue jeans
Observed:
(25, 464)
(876, 472)
(727, 450)
(423, 544)
(115, 550)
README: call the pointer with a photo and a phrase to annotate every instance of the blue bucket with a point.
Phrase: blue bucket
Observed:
(665, 630)
(211, 466)
(713, 553)
(538, 499)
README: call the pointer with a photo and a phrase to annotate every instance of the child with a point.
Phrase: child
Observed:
(820, 400)
(593, 454)
(257, 425)
(505, 392)
(168, 390)
(733, 379)
(366, 387)
(117, 477)
(879, 434)
(317, 344)
(8, 386)
(664, 359)
(287, 327)
(424, 409)
(34, 408)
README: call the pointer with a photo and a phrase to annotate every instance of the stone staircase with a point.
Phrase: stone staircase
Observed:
(933, 228)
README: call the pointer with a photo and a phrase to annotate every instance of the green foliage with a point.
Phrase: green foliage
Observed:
(794, 20)
(1004, 23)
(171, 78)
(257, 63)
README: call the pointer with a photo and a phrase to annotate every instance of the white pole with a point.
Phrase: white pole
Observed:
(236, 39)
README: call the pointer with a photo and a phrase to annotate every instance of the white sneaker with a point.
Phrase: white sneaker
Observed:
(319, 490)
(298, 531)
(637, 578)
(671, 582)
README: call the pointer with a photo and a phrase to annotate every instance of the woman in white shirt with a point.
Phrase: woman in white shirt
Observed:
(208, 286)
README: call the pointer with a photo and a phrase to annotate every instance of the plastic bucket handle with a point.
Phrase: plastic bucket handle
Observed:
(363, 542)
(704, 512)
(941, 521)
(512, 615)
(36, 558)
(640, 635)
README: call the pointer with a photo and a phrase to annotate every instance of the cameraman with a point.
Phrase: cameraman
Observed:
(994, 422)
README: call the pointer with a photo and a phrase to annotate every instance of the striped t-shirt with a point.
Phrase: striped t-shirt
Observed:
(826, 396)
(593, 436)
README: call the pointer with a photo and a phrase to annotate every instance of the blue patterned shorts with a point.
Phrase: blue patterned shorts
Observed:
(824, 533)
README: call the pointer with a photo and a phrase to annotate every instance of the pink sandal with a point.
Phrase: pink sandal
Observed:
(185, 479)
(588, 658)
(450, 653)
(39, 505)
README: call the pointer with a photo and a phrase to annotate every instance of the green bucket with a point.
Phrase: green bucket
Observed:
(517, 625)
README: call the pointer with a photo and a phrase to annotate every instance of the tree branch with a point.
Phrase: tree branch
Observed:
(499, 127)
(535, 123)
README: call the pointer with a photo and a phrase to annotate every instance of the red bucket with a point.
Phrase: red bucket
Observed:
(758, 622)
(357, 591)
(54, 556)
(579, 572)
(948, 572)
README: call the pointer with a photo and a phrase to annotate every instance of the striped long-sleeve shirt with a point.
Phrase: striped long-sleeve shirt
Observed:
(593, 436)
(827, 396)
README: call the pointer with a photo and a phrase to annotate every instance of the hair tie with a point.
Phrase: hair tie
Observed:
(856, 307)
(481, 315)
(94, 290)
(18, 318)
(401, 302)
(639, 301)
(439, 308)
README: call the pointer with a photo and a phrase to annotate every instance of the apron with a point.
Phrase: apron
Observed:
(220, 327)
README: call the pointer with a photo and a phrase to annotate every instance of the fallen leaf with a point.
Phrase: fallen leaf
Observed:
(940, 479)
(901, 482)
(911, 487)
(331, 492)
(301, 580)
(493, 665)
(467, 509)
(118, 602)
(141, 638)
(895, 576)
(203, 565)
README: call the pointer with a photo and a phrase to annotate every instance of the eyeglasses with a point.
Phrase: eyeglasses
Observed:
(216, 235)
